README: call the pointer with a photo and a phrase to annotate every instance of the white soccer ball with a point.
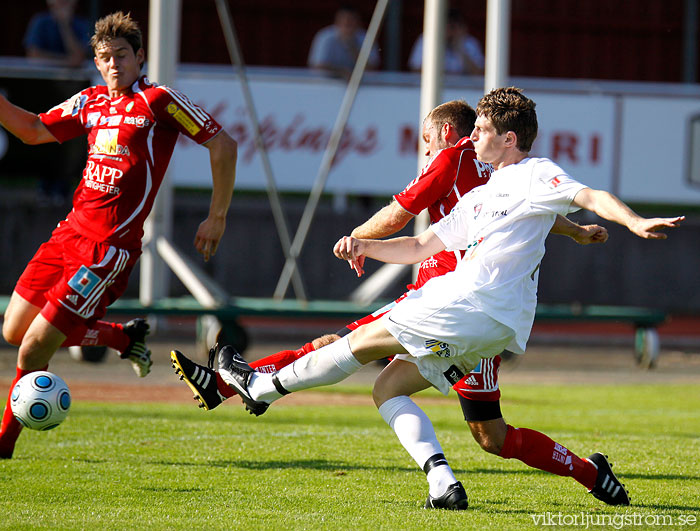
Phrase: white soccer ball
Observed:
(40, 400)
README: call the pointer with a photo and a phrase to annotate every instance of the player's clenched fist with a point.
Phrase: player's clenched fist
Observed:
(351, 249)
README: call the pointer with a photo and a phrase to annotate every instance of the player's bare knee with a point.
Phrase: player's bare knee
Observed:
(378, 395)
(12, 334)
(325, 340)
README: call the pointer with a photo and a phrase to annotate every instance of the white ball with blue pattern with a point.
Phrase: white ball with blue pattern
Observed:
(40, 400)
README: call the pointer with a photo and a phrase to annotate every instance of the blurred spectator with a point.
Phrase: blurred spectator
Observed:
(60, 37)
(59, 34)
(463, 53)
(335, 48)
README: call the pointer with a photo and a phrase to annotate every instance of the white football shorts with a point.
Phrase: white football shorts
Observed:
(445, 336)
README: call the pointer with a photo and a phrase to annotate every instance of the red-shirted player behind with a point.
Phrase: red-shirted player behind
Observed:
(451, 172)
(131, 126)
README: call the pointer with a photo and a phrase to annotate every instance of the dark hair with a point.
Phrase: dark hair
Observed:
(115, 26)
(457, 113)
(510, 110)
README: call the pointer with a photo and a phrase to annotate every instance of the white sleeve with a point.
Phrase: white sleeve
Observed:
(453, 229)
(553, 190)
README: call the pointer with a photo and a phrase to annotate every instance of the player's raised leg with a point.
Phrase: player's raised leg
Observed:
(325, 366)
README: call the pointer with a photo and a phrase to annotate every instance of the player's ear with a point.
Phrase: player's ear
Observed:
(141, 57)
(447, 130)
(511, 139)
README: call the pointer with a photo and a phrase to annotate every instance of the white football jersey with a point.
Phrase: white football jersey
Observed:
(503, 225)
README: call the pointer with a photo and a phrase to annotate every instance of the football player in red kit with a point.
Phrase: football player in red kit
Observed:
(131, 126)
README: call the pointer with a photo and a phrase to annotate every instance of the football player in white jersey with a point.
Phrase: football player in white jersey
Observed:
(486, 305)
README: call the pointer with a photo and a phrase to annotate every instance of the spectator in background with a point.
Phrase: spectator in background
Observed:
(61, 38)
(463, 52)
(335, 48)
(59, 34)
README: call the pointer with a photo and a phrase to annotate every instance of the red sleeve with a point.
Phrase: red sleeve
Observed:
(435, 182)
(176, 110)
(64, 121)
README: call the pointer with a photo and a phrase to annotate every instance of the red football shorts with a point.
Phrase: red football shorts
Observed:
(73, 278)
(480, 384)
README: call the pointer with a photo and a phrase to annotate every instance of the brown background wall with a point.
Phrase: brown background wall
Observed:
(601, 39)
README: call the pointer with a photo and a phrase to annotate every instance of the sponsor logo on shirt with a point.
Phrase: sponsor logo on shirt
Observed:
(496, 213)
(110, 121)
(93, 118)
(428, 263)
(472, 246)
(439, 348)
(107, 143)
(483, 169)
(182, 118)
(554, 182)
(138, 121)
(102, 178)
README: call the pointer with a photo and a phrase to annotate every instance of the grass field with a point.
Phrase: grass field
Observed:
(164, 466)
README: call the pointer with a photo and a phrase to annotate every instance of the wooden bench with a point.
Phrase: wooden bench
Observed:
(644, 320)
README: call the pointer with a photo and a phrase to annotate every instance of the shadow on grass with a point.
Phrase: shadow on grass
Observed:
(170, 489)
(307, 464)
(499, 472)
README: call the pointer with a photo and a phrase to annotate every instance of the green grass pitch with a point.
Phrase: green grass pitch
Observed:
(160, 466)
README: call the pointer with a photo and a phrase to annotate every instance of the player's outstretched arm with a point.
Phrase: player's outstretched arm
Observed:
(403, 250)
(581, 234)
(23, 124)
(223, 153)
(385, 222)
(609, 207)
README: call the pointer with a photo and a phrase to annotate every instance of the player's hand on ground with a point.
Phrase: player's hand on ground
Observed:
(350, 249)
(591, 234)
(649, 228)
(208, 236)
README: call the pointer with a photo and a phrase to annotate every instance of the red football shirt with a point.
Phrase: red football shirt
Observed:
(130, 142)
(448, 175)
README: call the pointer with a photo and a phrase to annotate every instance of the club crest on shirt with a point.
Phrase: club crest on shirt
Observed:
(439, 348)
(477, 210)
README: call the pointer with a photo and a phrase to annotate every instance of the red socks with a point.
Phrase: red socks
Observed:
(10, 427)
(269, 364)
(275, 362)
(537, 450)
(102, 333)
